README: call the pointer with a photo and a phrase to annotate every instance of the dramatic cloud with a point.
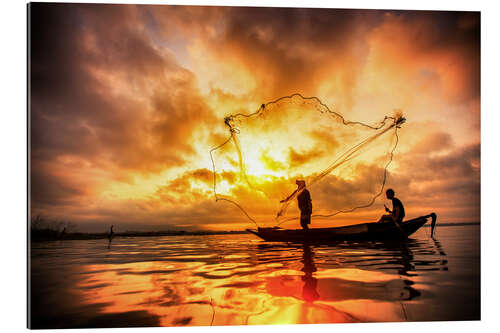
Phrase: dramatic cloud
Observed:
(126, 102)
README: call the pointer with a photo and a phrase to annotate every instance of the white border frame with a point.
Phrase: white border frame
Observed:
(14, 166)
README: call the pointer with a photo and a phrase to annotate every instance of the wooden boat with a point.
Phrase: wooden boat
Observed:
(364, 231)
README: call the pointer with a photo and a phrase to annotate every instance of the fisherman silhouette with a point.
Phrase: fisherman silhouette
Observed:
(398, 211)
(305, 203)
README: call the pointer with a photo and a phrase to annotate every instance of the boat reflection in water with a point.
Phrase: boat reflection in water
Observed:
(191, 280)
(360, 282)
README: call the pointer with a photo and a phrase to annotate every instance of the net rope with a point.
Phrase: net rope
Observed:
(394, 123)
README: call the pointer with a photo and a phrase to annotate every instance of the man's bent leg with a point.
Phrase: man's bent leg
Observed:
(386, 218)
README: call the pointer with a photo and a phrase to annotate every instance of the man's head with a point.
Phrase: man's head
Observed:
(389, 193)
(300, 183)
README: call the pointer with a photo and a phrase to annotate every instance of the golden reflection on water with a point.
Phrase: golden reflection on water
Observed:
(259, 283)
(190, 293)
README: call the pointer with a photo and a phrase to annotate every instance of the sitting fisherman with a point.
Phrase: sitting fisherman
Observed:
(304, 201)
(398, 211)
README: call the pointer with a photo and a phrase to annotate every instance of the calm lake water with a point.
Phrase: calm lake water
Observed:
(240, 280)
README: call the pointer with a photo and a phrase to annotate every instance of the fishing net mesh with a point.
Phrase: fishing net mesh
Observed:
(343, 163)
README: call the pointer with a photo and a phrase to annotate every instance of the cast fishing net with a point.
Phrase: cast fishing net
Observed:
(344, 163)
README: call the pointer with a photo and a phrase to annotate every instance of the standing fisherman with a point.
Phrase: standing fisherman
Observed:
(305, 203)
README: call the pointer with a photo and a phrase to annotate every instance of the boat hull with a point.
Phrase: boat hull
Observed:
(364, 231)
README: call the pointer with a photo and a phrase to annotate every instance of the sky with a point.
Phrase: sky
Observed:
(127, 101)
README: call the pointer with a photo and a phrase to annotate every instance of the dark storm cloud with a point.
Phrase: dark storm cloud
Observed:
(433, 142)
(80, 54)
(298, 49)
(440, 44)
(49, 190)
(447, 183)
(463, 162)
(293, 49)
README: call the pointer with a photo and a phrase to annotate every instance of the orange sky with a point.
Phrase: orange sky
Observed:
(126, 102)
